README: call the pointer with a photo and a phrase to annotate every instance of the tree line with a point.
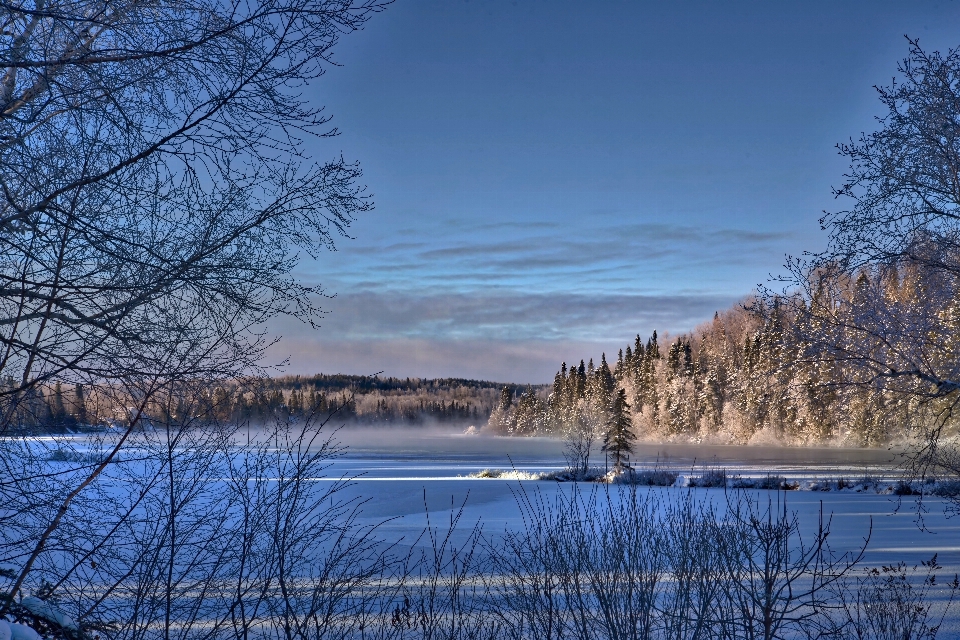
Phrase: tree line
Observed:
(751, 374)
(344, 399)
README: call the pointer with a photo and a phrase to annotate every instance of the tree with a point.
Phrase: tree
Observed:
(619, 438)
(155, 191)
(903, 229)
(502, 418)
(529, 416)
(80, 405)
(879, 303)
(155, 195)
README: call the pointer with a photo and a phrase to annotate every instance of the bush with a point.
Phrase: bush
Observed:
(648, 477)
(892, 603)
(710, 478)
(769, 482)
(618, 563)
(63, 454)
(947, 489)
(904, 488)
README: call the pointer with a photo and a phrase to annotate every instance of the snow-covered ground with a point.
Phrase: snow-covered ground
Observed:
(395, 470)
(399, 473)
(402, 474)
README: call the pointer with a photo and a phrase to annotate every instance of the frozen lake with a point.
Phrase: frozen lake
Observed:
(399, 474)
(397, 471)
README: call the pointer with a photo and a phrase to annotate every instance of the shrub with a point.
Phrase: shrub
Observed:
(710, 478)
(648, 477)
(904, 488)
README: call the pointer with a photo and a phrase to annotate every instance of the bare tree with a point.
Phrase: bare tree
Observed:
(581, 427)
(155, 185)
(195, 532)
(880, 296)
(878, 308)
(626, 563)
(155, 196)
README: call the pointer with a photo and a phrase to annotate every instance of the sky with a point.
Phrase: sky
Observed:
(552, 178)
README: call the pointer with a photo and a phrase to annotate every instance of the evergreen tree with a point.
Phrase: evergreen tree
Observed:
(506, 399)
(57, 410)
(295, 403)
(604, 382)
(582, 380)
(503, 417)
(619, 438)
(653, 348)
(80, 405)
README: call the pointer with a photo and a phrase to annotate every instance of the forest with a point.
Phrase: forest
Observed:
(339, 398)
(758, 372)
(755, 373)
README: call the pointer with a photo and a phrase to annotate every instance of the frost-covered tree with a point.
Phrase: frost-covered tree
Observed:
(878, 306)
(155, 197)
(619, 437)
(502, 419)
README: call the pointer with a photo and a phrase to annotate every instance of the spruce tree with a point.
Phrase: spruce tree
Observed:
(605, 383)
(80, 404)
(581, 380)
(506, 399)
(558, 385)
(653, 349)
(619, 438)
(55, 413)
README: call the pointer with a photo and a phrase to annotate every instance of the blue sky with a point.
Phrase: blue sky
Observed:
(552, 178)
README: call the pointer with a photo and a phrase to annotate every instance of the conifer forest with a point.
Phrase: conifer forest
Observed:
(753, 374)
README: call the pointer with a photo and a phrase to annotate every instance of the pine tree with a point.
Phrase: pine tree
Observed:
(619, 438)
(503, 417)
(295, 403)
(506, 399)
(559, 381)
(58, 412)
(653, 349)
(80, 404)
(604, 381)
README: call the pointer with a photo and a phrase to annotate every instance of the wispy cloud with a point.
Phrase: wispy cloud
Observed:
(607, 257)
(484, 333)
(473, 298)
(510, 316)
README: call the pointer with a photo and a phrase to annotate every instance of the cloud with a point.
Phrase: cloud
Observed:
(510, 316)
(508, 301)
(517, 362)
(492, 335)
(606, 256)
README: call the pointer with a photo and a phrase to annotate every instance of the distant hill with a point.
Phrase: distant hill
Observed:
(367, 399)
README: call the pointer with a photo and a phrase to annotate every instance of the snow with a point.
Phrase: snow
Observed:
(408, 476)
(48, 612)
(22, 632)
